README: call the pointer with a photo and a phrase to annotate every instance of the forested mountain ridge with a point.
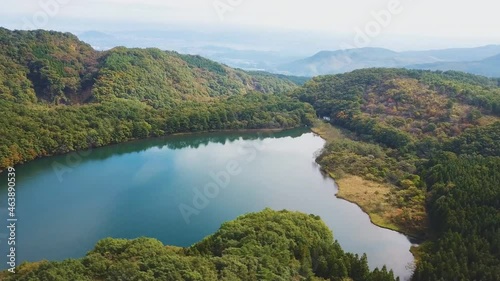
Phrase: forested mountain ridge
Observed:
(276, 246)
(59, 68)
(435, 138)
(57, 95)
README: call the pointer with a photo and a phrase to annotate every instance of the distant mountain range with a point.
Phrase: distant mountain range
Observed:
(487, 67)
(290, 60)
(482, 60)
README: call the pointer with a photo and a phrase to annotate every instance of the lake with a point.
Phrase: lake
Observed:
(180, 189)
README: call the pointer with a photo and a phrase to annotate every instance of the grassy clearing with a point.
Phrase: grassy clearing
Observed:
(371, 197)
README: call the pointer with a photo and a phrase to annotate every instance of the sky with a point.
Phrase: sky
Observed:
(463, 23)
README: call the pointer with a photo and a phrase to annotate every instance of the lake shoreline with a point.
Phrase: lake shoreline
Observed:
(263, 130)
(324, 135)
(412, 238)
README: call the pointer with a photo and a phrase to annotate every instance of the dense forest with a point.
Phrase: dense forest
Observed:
(464, 211)
(57, 95)
(268, 245)
(434, 137)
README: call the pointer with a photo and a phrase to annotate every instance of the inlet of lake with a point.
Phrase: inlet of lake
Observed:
(66, 203)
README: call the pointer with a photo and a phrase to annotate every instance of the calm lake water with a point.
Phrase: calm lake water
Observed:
(67, 203)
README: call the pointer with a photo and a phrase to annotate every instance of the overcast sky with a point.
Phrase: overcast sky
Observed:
(472, 21)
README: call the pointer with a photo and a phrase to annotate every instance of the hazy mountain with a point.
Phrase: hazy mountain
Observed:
(246, 59)
(487, 67)
(92, 34)
(333, 62)
(461, 54)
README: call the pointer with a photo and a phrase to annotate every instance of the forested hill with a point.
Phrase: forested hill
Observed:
(57, 94)
(57, 68)
(401, 107)
(276, 246)
(435, 139)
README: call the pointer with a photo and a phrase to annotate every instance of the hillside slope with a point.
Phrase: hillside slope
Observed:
(409, 103)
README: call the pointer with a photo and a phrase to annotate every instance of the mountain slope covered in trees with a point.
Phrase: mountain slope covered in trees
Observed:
(268, 245)
(57, 95)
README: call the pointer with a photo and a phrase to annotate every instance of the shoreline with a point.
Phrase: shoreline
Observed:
(370, 217)
(410, 236)
(263, 130)
(396, 228)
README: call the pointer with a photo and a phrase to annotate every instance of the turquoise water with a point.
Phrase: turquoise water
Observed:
(181, 189)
